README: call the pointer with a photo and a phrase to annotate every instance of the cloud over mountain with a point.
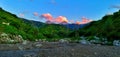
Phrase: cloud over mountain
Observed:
(62, 19)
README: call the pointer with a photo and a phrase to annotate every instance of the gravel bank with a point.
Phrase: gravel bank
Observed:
(54, 49)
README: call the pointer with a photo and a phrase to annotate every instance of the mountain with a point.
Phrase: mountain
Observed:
(108, 27)
(40, 24)
(16, 25)
(75, 26)
(29, 29)
(33, 23)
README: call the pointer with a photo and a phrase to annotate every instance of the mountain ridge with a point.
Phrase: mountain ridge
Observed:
(108, 27)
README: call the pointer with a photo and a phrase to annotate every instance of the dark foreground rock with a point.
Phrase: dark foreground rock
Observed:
(54, 49)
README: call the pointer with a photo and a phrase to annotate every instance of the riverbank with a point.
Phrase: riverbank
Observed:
(56, 49)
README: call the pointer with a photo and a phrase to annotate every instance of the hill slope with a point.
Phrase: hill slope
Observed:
(30, 30)
(108, 27)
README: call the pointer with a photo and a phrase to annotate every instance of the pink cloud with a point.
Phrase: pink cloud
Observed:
(58, 20)
(47, 16)
(78, 22)
(85, 20)
(61, 19)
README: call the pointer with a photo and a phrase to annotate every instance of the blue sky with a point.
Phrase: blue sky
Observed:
(71, 9)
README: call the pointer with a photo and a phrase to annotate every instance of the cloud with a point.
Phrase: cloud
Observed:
(78, 22)
(47, 16)
(85, 20)
(50, 19)
(35, 14)
(115, 6)
(61, 19)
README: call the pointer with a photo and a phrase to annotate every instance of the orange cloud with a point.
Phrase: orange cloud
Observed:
(85, 20)
(58, 20)
(35, 14)
(47, 16)
(78, 22)
(61, 19)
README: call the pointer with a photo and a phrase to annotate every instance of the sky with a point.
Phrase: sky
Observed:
(61, 11)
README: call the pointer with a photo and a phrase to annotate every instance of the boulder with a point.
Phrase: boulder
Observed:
(116, 42)
(84, 42)
(63, 41)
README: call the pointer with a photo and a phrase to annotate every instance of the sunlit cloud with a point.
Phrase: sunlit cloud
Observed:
(50, 19)
(47, 16)
(63, 20)
(85, 20)
(78, 22)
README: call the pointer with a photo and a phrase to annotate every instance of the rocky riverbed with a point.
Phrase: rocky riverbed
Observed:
(56, 49)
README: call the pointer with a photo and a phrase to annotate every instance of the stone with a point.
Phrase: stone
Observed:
(21, 48)
(97, 38)
(11, 41)
(63, 41)
(4, 34)
(30, 55)
(36, 40)
(116, 42)
(84, 42)
(25, 42)
(95, 53)
(38, 45)
(83, 38)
